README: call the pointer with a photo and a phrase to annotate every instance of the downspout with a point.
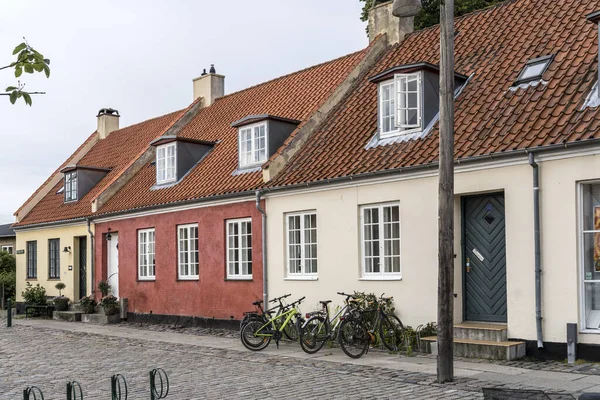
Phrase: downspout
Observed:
(93, 255)
(538, 266)
(264, 248)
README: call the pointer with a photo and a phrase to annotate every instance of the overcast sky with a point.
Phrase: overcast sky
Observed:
(140, 57)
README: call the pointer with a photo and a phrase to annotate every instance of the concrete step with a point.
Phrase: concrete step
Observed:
(69, 316)
(485, 349)
(481, 331)
(75, 307)
(101, 319)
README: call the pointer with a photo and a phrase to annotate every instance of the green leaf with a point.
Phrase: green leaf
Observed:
(13, 97)
(47, 61)
(47, 71)
(29, 68)
(18, 71)
(19, 48)
(38, 67)
(27, 98)
(10, 88)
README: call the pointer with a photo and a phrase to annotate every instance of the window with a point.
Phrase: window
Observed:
(187, 237)
(239, 249)
(71, 186)
(380, 227)
(54, 259)
(253, 145)
(590, 257)
(8, 249)
(146, 260)
(302, 244)
(32, 260)
(534, 69)
(400, 104)
(166, 161)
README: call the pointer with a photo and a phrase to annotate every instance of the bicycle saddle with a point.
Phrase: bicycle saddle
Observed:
(325, 302)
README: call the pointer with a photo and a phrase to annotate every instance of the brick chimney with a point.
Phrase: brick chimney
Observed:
(209, 86)
(382, 21)
(108, 121)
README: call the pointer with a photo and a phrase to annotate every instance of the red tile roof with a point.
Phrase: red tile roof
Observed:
(116, 152)
(493, 46)
(296, 96)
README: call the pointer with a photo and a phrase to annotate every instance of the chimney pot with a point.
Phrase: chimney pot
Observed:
(212, 69)
(108, 121)
(381, 20)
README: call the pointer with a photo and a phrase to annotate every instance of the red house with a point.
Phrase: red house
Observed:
(181, 233)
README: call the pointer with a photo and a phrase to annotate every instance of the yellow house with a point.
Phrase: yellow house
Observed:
(54, 237)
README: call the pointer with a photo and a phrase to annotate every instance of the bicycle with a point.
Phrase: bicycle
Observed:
(346, 325)
(387, 325)
(290, 332)
(257, 334)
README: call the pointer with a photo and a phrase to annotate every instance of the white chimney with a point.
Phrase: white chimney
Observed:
(210, 86)
(108, 121)
(382, 21)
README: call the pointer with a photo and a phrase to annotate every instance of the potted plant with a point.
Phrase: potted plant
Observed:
(61, 303)
(110, 305)
(88, 304)
(104, 287)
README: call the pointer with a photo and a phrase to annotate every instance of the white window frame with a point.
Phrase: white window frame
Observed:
(401, 129)
(189, 252)
(240, 276)
(303, 273)
(253, 150)
(544, 62)
(70, 186)
(164, 172)
(5, 248)
(147, 253)
(381, 275)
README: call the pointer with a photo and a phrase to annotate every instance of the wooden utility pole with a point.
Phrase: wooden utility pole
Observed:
(445, 361)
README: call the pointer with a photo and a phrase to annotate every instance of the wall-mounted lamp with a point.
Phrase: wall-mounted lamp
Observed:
(67, 249)
(108, 235)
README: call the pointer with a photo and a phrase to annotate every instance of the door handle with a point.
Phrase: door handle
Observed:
(468, 265)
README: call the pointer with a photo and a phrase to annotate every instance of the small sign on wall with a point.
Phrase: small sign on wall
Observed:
(20, 251)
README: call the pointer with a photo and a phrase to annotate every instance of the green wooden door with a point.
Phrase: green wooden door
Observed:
(484, 264)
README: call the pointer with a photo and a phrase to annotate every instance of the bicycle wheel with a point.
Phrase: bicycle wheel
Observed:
(249, 340)
(313, 335)
(291, 331)
(391, 332)
(353, 338)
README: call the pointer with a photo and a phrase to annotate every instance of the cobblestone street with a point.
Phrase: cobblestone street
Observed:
(49, 354)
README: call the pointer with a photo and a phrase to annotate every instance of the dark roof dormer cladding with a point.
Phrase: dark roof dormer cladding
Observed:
(259, 137)
(408, 99)
(176, 156)
(79, 180)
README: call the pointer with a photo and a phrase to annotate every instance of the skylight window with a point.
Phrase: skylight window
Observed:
(400, 104)
(534, 69)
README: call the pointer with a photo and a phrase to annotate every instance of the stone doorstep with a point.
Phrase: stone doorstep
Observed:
(481, 331)
(70, 316)
(100, 319)
(485, 349)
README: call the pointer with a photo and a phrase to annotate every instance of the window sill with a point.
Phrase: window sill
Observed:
(54, 279)
(31, 279)
(590, 331)
(398, 132)
(146, 279)
(301, 278)
(380, 278)
(192, 279)
(229, 279)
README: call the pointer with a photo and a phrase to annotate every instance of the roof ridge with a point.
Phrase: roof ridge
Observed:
(292, 73)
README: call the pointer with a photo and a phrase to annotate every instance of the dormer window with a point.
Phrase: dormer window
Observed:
(253, 144)
(70, 186)
(400, 104)
(166, 162)
(534, 69)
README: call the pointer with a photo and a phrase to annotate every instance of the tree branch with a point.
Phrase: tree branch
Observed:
(8, 94)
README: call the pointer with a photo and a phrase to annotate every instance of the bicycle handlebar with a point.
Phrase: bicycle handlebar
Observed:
(275, 300)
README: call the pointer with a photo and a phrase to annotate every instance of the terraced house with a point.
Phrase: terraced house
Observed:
(356, 206)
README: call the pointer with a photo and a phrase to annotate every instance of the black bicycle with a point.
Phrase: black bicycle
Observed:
(384, 323)
(346, 325)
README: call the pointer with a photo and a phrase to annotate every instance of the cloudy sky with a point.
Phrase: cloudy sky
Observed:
(139, 56)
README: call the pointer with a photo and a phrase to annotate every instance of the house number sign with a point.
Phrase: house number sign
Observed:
(20, 251)
(478, 254)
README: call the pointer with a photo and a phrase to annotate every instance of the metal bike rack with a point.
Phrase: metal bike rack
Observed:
(160, 391)
(32, 393)
(116, 388)
(418, 335)
(72, 389)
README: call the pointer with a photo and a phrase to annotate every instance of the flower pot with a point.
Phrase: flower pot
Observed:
(61, 304)
(91, 309)
(111, 310)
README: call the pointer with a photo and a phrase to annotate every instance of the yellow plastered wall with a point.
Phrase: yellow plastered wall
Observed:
(68, 235)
